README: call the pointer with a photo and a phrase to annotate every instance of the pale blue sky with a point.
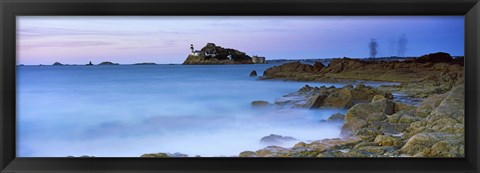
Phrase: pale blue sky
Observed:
(164, 39)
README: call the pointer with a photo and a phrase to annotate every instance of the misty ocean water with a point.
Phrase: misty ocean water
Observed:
(130, 110)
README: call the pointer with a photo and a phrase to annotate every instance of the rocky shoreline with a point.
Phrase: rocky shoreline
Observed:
(386, 128)
(376, 123)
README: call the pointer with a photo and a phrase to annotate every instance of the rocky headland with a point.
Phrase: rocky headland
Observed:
(418, 77)
(377, 124)
(212, 54)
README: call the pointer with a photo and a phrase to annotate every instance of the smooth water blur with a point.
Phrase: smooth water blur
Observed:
(130, 110)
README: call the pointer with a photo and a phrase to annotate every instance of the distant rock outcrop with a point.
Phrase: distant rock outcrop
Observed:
(57, 63)
(439, 57)
(108, 63)
(212, 54)
(336, 117)
(145, 63)
(419, 77)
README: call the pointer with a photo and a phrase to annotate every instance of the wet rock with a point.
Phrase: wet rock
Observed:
(253, 74)
(272, 151)
(447, 148)
(274, 139)
(260, 104)
(429, 104)
(336, 117)
(421, 144)
(340, 99)
(386, 140)
(357, 117)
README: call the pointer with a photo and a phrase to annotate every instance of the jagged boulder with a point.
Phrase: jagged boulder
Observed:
(370, 119)
(344, 97)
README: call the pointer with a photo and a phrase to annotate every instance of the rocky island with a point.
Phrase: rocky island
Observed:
(108, 63)
(212, 54)
(57, 64)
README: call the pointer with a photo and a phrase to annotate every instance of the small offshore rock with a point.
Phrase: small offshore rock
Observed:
(260, 103)
(253, 73)
(274, 139)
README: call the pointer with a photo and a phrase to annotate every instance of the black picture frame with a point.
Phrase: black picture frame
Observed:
(9, 9)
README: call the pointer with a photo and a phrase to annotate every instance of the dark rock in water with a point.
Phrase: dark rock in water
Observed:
(57, 63)
(212, 54)
(145, 63)
(260, 103)
(336, 117)
(273, 139)
(89, 64)
(253, 73)
(435, 58)
(108, 63)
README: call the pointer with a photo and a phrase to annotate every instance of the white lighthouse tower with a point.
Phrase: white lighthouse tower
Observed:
(193, 51)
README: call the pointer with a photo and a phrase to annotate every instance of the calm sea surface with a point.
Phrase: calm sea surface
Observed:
(127, 110)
